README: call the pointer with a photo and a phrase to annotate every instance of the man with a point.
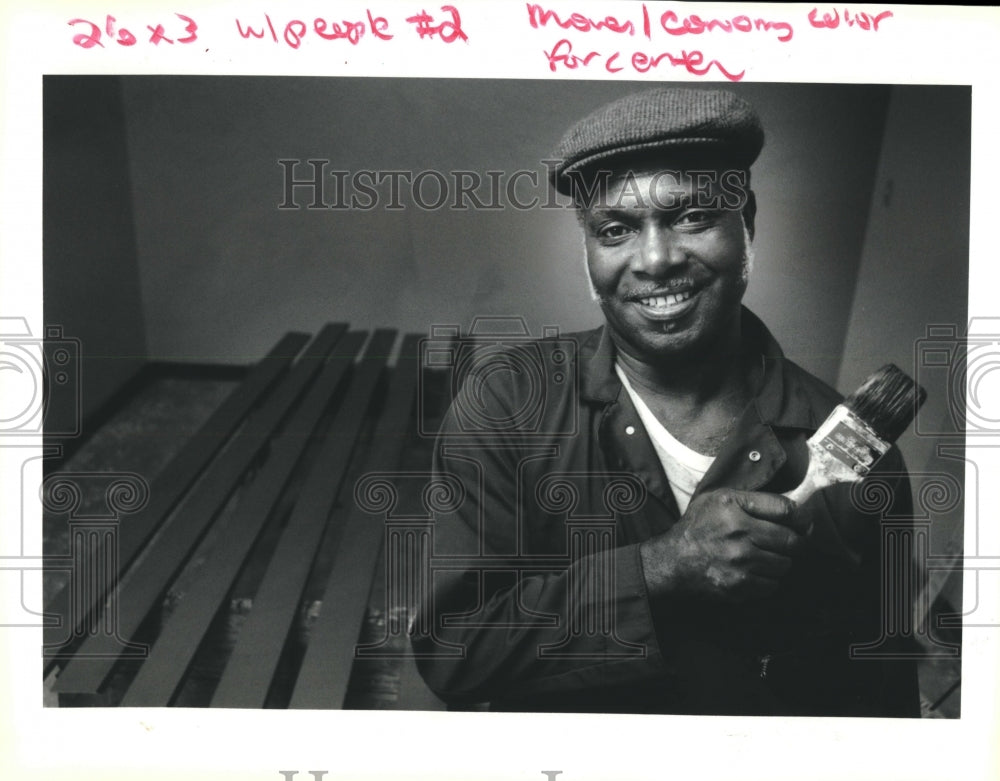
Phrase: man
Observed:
(627, 549)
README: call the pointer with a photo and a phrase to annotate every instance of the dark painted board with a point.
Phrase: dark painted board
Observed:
(248, 674)
(92, 662)
(176, 478)
(161, 673)
(326, 668)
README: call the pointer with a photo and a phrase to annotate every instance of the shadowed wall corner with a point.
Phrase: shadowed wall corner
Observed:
(90, 271)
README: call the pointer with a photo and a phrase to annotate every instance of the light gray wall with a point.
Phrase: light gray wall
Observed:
(225, 272)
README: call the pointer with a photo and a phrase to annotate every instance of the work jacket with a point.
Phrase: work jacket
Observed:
(535, 597)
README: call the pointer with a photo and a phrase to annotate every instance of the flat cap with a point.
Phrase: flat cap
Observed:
(704, 122)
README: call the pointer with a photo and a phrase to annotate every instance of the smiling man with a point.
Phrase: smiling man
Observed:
(627, 549)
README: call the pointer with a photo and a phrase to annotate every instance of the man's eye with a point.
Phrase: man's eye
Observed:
(695, 218)
(614, 230)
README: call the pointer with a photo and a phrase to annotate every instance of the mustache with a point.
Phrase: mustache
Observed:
(663, 287)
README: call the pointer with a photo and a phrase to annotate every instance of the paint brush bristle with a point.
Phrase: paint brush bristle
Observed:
(887, 401)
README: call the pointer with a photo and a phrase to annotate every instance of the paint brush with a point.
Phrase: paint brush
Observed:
(860, 430)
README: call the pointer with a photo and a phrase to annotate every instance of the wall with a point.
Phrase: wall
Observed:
(225, 272)
(914, 274)
(90, 275)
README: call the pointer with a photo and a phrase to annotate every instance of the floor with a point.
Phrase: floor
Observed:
(155, 417)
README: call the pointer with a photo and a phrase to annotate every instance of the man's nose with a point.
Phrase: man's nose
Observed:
(659, 249)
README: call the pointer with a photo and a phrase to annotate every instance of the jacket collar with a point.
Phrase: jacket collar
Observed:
(780, 402)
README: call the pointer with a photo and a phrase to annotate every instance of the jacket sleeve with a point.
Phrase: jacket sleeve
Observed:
(497, 624)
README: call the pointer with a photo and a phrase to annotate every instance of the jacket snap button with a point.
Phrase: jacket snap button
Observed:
(754, 455)
(630, 430)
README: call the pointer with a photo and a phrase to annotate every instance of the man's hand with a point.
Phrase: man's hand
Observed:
(729, 545)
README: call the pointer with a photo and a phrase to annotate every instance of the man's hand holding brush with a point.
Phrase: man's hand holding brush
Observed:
(736, 545)
(729, 545)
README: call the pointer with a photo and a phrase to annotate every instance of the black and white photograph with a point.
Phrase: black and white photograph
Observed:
(612, 405)
(439, 222)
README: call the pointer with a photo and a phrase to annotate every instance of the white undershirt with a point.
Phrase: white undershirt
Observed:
(683, 466)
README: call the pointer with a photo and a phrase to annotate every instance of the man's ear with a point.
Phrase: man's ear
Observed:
(750, 212)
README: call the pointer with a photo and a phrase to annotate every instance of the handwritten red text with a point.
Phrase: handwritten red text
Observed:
(695, 25)
(123, 36)
(449, 30)
(694, 62)
(831, 21)
(295, 30)
(540, 17)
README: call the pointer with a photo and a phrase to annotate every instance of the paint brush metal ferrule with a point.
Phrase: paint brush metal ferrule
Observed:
(844, 449)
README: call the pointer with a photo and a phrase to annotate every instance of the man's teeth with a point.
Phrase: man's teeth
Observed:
(663, 301)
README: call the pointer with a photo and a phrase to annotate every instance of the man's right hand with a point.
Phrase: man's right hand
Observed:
(728, 546)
